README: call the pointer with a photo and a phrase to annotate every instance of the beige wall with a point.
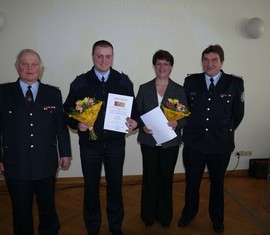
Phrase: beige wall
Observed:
(63, 31)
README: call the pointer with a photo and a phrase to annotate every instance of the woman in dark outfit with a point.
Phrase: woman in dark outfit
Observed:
(159, 159)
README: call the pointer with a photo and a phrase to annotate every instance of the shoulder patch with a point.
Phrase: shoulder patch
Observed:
(243, 97)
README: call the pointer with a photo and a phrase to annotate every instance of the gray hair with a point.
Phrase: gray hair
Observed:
(24, 51)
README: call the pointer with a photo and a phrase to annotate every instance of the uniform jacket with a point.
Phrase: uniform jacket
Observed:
(31, 138)
(214, 118)
(147, 100)
(88, 85)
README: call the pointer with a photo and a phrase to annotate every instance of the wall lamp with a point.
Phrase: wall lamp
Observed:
(1, 20)
(255, 27)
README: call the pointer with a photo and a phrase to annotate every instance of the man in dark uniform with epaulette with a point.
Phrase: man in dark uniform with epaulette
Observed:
(32, 133)
(216, 102)
(108, 149)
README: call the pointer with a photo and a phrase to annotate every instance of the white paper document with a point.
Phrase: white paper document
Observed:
(158, 123)
(118, 109)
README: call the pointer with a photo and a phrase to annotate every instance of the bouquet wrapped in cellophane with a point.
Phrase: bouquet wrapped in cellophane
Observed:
(86, 110)
(174, 110)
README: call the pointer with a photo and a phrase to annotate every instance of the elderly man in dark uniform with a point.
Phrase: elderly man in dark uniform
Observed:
(32, 131)
(216, 102)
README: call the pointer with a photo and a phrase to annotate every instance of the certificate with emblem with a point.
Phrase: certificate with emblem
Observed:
(118, 109)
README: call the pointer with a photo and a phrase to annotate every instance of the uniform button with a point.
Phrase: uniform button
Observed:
(32, 135)
(31, 124)
(209, 99)
(31, 114)
(207, 119)
(228, 101)
(31, 146)
(206, 129)
(208, 109)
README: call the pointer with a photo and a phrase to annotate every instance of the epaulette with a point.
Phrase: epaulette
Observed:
(190, 74)
(4, 83)
(125, 75)
(57, 87)
(236, 75)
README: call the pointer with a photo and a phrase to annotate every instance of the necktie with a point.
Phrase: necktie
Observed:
(212, 86)
(103, 84)
(29, 95)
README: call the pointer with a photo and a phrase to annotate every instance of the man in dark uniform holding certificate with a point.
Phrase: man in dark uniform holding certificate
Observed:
(109, 147)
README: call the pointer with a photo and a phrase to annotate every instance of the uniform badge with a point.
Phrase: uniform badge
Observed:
(243, 97)
(48, 107)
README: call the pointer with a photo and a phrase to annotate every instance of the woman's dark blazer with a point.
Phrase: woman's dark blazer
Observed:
(147, 100)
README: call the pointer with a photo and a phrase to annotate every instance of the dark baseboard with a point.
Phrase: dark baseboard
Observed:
(127, 179)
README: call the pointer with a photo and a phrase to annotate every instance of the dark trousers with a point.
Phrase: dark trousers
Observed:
(195, 164)
(158, 171)
(22, 194)
(113, 159)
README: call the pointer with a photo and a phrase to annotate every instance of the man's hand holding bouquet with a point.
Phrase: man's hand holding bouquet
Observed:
(86, 111)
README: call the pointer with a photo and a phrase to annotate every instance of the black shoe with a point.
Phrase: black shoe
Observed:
(165, 225)
(183, 222)
(148, 224)
(117, 232)
(218, 228)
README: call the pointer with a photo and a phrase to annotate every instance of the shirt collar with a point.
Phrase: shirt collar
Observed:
(99, 75)
(215, 77)
(34, 87)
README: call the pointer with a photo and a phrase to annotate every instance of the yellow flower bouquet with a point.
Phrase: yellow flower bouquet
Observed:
(87, 110)
(174, 110)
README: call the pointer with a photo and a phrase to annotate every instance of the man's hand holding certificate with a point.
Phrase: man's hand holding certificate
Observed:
(118, 109)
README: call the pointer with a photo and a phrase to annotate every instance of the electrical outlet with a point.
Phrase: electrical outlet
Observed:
(243, 153)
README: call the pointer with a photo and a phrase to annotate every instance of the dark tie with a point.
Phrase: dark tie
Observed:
(212, 85)
(103, 84)
(29, 95)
